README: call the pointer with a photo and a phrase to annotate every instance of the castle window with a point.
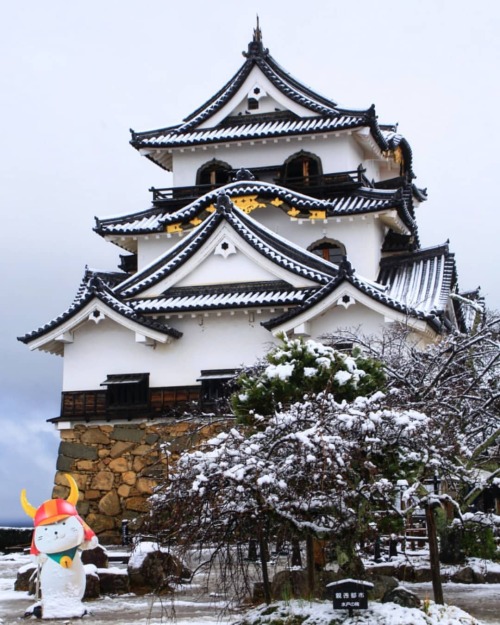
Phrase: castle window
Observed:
(127, 390)
(301, 168)
(215, 386)
(327, 249)
(253, 104)
(213, 173)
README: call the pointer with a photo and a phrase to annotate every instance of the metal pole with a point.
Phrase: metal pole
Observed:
(37, 583)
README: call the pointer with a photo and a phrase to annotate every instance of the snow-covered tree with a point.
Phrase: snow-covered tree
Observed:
(456, 381)
(319, 452)
(317, 469)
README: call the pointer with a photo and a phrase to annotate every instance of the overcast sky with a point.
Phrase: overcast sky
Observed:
(75, 76)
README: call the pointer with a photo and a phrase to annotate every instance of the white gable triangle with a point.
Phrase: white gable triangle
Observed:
(346, 307)
(226, 258)
(259, 88)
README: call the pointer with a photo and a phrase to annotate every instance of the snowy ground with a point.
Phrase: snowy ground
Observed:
(190, 606)
(322, 613)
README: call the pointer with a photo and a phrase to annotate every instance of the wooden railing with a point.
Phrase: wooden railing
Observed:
(178, 193)
(317, 186)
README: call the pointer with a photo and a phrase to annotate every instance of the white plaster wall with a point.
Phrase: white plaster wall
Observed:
(362, 237)
(238, 264)
(150, 248)
(218, 343)
(239, 100)
(337, 152)
(372, 167)
(236, 268)
(353, 318)
(214, 342)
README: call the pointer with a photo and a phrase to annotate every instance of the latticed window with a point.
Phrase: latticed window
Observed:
(127, 390)
(216, 385)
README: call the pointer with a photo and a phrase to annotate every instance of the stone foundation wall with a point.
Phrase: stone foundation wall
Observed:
(117, 467)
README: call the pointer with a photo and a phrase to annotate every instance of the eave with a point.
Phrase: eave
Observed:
(95, 311)
(251, 195)
(302, 268)
(346, 294)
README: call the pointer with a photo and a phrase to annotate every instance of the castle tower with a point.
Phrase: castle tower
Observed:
(287, 214)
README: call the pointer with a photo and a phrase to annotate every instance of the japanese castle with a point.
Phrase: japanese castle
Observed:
(288, 214)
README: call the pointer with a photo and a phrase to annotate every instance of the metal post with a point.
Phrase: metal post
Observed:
(252, 550)
(125, 536)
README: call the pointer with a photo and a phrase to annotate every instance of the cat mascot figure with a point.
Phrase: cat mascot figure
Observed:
(58, 539)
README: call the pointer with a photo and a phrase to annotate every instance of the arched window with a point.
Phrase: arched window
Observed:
(328, 249)
(214, 173)
(302, 167)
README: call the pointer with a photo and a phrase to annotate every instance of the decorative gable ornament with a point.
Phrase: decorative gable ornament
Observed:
(225, 248)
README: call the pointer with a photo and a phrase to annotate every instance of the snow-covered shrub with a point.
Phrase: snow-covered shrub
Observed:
(297, 369)
(469, 540)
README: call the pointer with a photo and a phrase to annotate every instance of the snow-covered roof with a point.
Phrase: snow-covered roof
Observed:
(322, 115)
(232, 296)
(423, 280)
(416, 285)
(355, 201)
(469, 307)
(278, 250)
(248, 128)
(96, 287)
(418, 290)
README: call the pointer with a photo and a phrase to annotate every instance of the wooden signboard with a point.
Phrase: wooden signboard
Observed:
(350, 594)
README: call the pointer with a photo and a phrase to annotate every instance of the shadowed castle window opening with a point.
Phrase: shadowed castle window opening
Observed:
(302, 168)
(127, 390)
(216, 385)
(332, 251)
(214, 173)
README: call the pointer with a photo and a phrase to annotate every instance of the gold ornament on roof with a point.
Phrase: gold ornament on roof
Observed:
(398, 156)
(174, 228)
(247, 203)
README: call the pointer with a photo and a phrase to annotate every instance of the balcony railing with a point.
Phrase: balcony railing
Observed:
(317, 186)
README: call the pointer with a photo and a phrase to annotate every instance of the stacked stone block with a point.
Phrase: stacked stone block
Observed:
(117, 467)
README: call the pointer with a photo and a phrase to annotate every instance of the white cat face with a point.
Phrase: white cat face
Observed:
(59, 536)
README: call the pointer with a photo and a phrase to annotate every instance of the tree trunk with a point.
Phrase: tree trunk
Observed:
(296, 557)
(434, 555)
(265, 574)
(310, 564)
